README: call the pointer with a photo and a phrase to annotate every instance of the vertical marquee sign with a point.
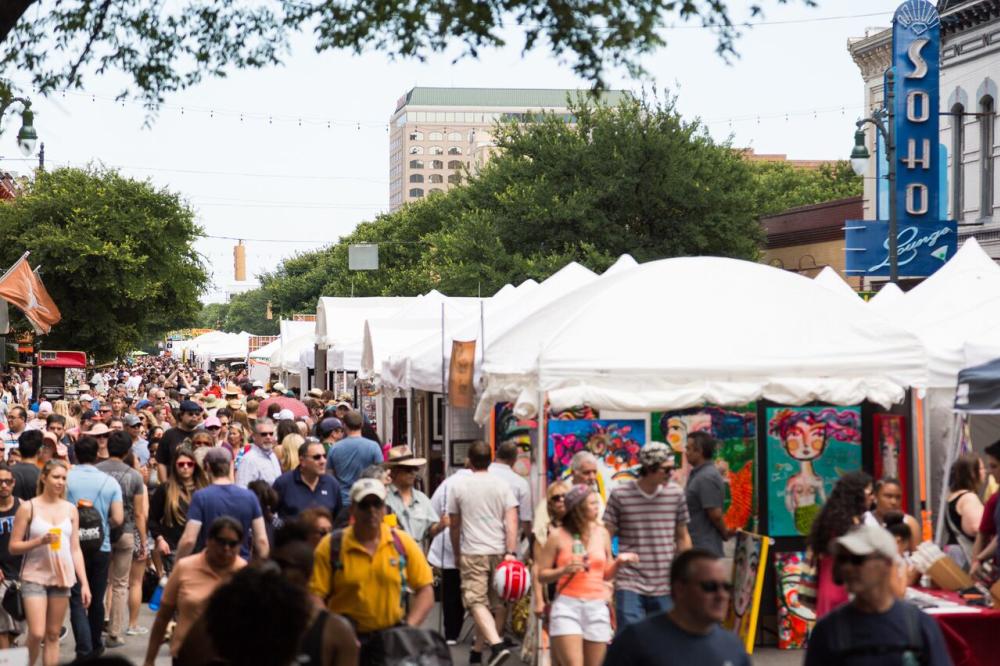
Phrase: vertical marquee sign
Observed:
(924, 240)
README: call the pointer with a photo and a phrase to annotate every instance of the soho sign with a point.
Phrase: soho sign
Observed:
(916, 47)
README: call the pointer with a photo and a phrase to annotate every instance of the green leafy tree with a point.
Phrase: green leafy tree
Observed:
(212, 315)
(116, 254)
(780, 186)
(248, 312)
(166, 46)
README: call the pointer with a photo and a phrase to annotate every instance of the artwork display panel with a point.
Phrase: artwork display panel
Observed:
(615, 444)
(891, 452)
(808, 449)
(795, 621)
(749, 561)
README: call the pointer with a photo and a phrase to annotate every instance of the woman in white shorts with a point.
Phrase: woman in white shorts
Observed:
(578, 556)
(46, 533)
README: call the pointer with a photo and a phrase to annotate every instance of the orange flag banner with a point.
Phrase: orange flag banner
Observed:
(463, 363)
(23, 288)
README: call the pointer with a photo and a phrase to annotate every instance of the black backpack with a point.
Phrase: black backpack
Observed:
(91, 525)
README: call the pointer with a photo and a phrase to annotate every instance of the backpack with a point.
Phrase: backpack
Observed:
(91, 529)
(912, 653)
(400, 645)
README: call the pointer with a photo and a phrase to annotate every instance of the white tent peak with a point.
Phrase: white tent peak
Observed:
(887, 295)
(832, 280)
(623, 263)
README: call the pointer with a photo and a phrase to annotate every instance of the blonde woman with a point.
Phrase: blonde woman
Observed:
(61, 407)
(288, 451)
(46, 533)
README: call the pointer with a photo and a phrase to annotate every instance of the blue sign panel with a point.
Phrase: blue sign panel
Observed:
(916, 49)
(923, 248)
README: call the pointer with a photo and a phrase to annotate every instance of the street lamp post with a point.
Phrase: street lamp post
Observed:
(859, 162)
(27, 137)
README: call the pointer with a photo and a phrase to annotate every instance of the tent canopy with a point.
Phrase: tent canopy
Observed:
(340, 319)
(678, 333)
(979, 389)
(831, 279)
(264, 353)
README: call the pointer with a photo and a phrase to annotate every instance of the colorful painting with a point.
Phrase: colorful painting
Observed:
(795, 621)
(506, 426)
(736, 429)
(749, 560)
(615, 443)
(890, 449)
(808, 449)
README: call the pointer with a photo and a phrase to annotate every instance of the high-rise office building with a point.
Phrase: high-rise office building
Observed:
(437, 134)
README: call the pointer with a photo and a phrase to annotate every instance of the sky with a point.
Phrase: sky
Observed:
(292, 158)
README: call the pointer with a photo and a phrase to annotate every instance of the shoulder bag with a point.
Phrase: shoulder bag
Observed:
(13, 601)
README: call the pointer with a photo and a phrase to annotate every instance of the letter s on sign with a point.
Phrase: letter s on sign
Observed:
(919, 64)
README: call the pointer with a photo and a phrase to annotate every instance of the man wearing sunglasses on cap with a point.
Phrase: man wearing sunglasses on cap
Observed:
(875, 627)
(689, 633)
(308, 485)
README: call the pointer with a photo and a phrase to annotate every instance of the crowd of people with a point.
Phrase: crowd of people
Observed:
(280, 538)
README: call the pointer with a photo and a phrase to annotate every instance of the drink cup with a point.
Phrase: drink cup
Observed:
(56, 533)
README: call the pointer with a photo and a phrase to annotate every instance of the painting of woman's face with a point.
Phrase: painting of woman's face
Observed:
(805, 441)
(747, 559)
(676, 433)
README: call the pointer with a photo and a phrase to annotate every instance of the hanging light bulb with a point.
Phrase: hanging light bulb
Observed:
(27, 137)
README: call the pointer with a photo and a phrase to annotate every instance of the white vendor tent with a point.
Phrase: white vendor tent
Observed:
(887, 295)
(767, 333)
(228, 347)
(831, 279)
(419, 365)
(264, 353)
(340, 321)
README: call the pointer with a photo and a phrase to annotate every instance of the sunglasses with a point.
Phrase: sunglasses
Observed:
(714, 586)
(185, 464)
(318, 456)
(228, 543)
(104, 436)
(6, 482)
(557, 498)
(213, 428)
(368, 505)
(851, 558)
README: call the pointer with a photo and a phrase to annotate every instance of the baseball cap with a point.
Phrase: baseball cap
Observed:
(869, 540)
(98, 429)
(315, 393)
(143, 403)
(260, 393)
(86, 397)
(45, 406)
(329, 424)
(278, 386)
(131, 420)
(190, 406)
(212, 422)
(258, 384)
(363, 488)
(344, 403)
(655, 453)
(285, 415)
(217, 454)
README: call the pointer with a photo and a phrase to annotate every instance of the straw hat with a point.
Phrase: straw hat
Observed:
(402, 456)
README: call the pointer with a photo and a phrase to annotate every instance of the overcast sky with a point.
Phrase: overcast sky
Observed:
(313, 181)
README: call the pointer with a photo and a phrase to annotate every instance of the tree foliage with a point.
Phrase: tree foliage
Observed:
(116, 254)
(165, 46)
(635, 178)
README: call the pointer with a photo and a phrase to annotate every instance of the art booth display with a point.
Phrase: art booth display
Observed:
(808, 449)
(736, 429)
(749, 560)
(795, 621)
(507, 426)
(615, 443)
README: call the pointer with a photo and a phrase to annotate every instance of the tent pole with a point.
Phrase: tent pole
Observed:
(445, 412)
(543, 446)
(409, 417)
(956, 443)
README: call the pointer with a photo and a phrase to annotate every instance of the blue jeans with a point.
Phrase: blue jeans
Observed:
(631, 607)
(88, 623)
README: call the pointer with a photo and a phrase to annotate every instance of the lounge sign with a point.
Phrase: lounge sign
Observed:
(924, 240)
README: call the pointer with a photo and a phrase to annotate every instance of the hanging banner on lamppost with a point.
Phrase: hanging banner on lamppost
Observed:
(921, 235)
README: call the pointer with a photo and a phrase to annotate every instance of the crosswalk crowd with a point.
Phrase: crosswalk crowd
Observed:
(271, 528)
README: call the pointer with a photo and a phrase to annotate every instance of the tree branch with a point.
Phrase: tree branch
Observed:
(102, 14)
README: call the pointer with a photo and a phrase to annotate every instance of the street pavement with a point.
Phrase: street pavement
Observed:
(135, 648)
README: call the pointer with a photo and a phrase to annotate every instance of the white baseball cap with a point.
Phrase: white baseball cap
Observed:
(869, 540)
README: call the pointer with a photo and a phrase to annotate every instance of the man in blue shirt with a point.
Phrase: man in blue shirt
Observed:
(88, 484)
(351, 455)
(223, 498)
(308, 485)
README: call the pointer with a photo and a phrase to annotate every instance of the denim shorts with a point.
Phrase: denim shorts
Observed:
(29, 589)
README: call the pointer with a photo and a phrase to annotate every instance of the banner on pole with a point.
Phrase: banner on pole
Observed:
(463, 358)
(22, 287)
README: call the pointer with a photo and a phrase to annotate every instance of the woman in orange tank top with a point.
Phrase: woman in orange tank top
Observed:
(578, 556)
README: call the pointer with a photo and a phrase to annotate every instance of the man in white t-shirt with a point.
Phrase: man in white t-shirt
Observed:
(484, 524)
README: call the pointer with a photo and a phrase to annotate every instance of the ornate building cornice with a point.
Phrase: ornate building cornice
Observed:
(872, 54)
(960, 15)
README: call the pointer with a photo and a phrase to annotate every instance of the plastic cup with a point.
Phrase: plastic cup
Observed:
(56, 533)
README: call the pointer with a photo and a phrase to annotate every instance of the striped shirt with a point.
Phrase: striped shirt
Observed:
(646, 525)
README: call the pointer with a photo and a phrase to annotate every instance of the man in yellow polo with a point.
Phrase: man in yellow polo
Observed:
(375, 563)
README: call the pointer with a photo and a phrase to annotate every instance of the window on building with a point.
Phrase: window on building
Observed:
(436, 150)
(435, 189)
(455, 136)
(416, 178)
(454, 178)
(455, 164)
(416, 164)
(957, 150)
(437, 164)
(435, 136)
(986, 136)
(416, 150)
(435, 178)
(416, 136)
(454, 150)
(416, 192)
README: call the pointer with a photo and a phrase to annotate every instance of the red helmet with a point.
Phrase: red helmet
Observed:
(511, 580)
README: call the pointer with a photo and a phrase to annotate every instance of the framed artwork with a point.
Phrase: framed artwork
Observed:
(616, 445)
(749, 560)
(891, 452)
(506, 427)
(437, 418)
(795, 621)
(460, 451)
(808, 449)
(736, 429)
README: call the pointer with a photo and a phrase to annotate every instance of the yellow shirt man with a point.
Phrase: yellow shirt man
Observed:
(366, 588)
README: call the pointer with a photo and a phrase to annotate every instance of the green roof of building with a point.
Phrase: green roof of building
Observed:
(500, 97)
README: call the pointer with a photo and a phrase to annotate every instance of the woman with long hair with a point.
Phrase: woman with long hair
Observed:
(168, 505)
(318, 522)
(556, 505)
(61, 407)
(288, 451)
(965, 510)
(236, 439)
(577, 557)
(46, 533)
(843, 510)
